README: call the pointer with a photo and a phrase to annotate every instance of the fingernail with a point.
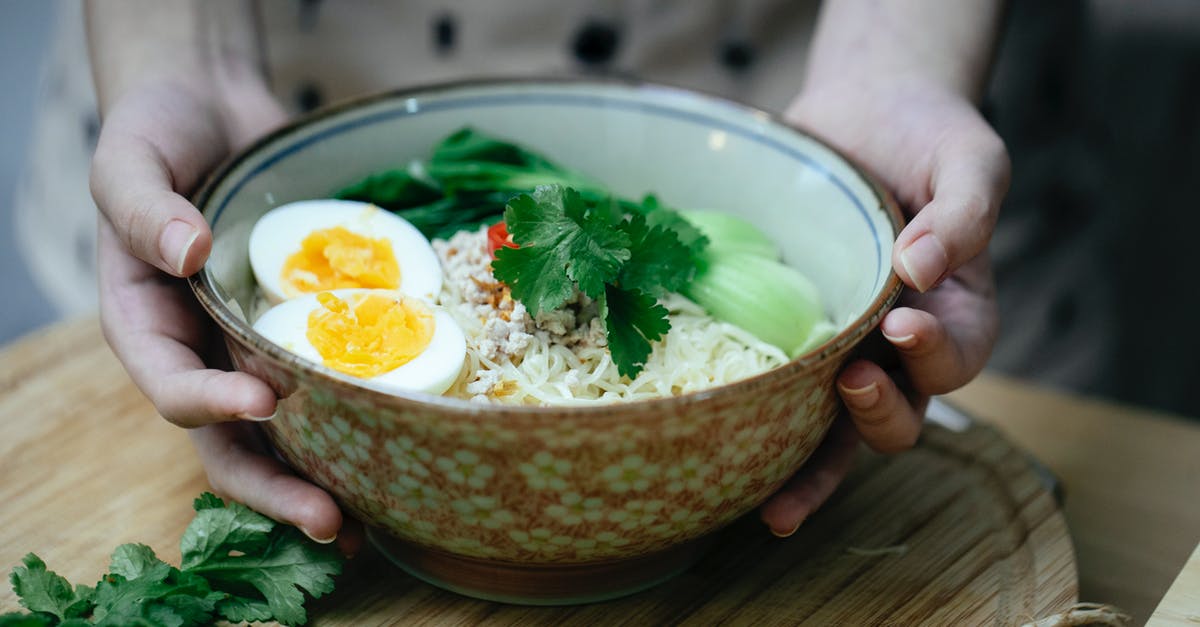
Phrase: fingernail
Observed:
(328, 540)
(788, 533)
(863, 397)
(176, 240)
(246, 416)
(925, 260)
(904, 341)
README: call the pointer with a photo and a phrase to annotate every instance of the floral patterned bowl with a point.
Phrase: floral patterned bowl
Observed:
(561, 504)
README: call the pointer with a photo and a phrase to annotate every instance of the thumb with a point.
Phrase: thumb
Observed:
(969, 179)
(132, 185)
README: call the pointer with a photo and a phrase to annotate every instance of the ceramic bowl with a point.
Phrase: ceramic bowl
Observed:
(561, 504)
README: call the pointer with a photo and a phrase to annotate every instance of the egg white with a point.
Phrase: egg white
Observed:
(278, 234)
(433, 371)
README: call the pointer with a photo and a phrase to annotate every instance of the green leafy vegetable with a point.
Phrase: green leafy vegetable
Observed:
(774, 302)
(565, 243)
(658, 262)
(729, 233)
(468, 144)
(561, 244)
(394, 189)
(237, 565)
(44, 591)
(633, 319)
(658, 214)
(467, 182)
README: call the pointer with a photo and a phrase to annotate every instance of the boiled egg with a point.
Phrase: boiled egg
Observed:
(389, 340)
(317, 245)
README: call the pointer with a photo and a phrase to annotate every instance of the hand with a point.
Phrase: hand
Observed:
(949, 172)
(158, 140)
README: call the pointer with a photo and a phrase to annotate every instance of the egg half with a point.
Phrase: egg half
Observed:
(315, 245)
(390, 341)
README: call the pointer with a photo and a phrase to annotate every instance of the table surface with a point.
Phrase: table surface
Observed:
(1128, 473)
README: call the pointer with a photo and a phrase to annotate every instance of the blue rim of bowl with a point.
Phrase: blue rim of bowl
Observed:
(205, 292)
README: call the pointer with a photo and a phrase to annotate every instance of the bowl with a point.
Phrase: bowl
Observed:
(552, 505)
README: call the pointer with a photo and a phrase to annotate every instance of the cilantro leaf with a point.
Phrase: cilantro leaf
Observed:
(14, 619)
(658, 262)
(633, 319)
(536, 279)
(560, 243)
(239, 566)
(658, 214)
(241, 552)
(207, 500)
(242, 610)
(278, 571)
(43, 590)
(222, 529)
(160, 595)
(135, 560)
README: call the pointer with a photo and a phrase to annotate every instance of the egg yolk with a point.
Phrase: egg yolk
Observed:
(378, 335)
(335, 258)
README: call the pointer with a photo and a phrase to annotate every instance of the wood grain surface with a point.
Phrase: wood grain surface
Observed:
(1181, 606)
(1130, 479)
(957, 531)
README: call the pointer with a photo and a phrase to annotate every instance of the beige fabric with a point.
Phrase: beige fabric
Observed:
(356, 46)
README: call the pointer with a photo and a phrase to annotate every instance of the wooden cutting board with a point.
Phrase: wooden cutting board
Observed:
(958, 531)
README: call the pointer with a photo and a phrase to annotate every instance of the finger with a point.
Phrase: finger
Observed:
(242, 472)
(132, 185)
(943, 338)
(886, 419)
(147, 321)
(970, 178)
(194, 398)
(808, 490)
(934, 363)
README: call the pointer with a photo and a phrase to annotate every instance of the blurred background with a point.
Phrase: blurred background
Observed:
(1098, 100)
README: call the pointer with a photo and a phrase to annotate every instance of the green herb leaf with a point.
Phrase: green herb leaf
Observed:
(633, 320)
(160, 595)
(658, 214)
(43, 590)
(561, 244)
(279, 571)
(658, 262)
(215, 531)
(13, 619)
(239, 551)
(207, 500)
(240, 566)
(243, 610)
(135, 560)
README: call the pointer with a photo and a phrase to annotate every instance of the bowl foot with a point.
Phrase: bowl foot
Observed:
(538, 584)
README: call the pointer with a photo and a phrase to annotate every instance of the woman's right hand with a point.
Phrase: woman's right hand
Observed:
(157, 142)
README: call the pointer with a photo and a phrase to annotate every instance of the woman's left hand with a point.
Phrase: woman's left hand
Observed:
(949, 171)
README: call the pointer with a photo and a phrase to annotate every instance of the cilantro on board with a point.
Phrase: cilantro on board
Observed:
(566, 243)
(238, 565)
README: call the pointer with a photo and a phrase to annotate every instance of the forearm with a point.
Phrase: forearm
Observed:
(925, 42)
(211, 49)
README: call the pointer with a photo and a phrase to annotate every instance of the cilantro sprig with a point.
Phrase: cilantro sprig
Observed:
(625, 263)
(237, 565)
